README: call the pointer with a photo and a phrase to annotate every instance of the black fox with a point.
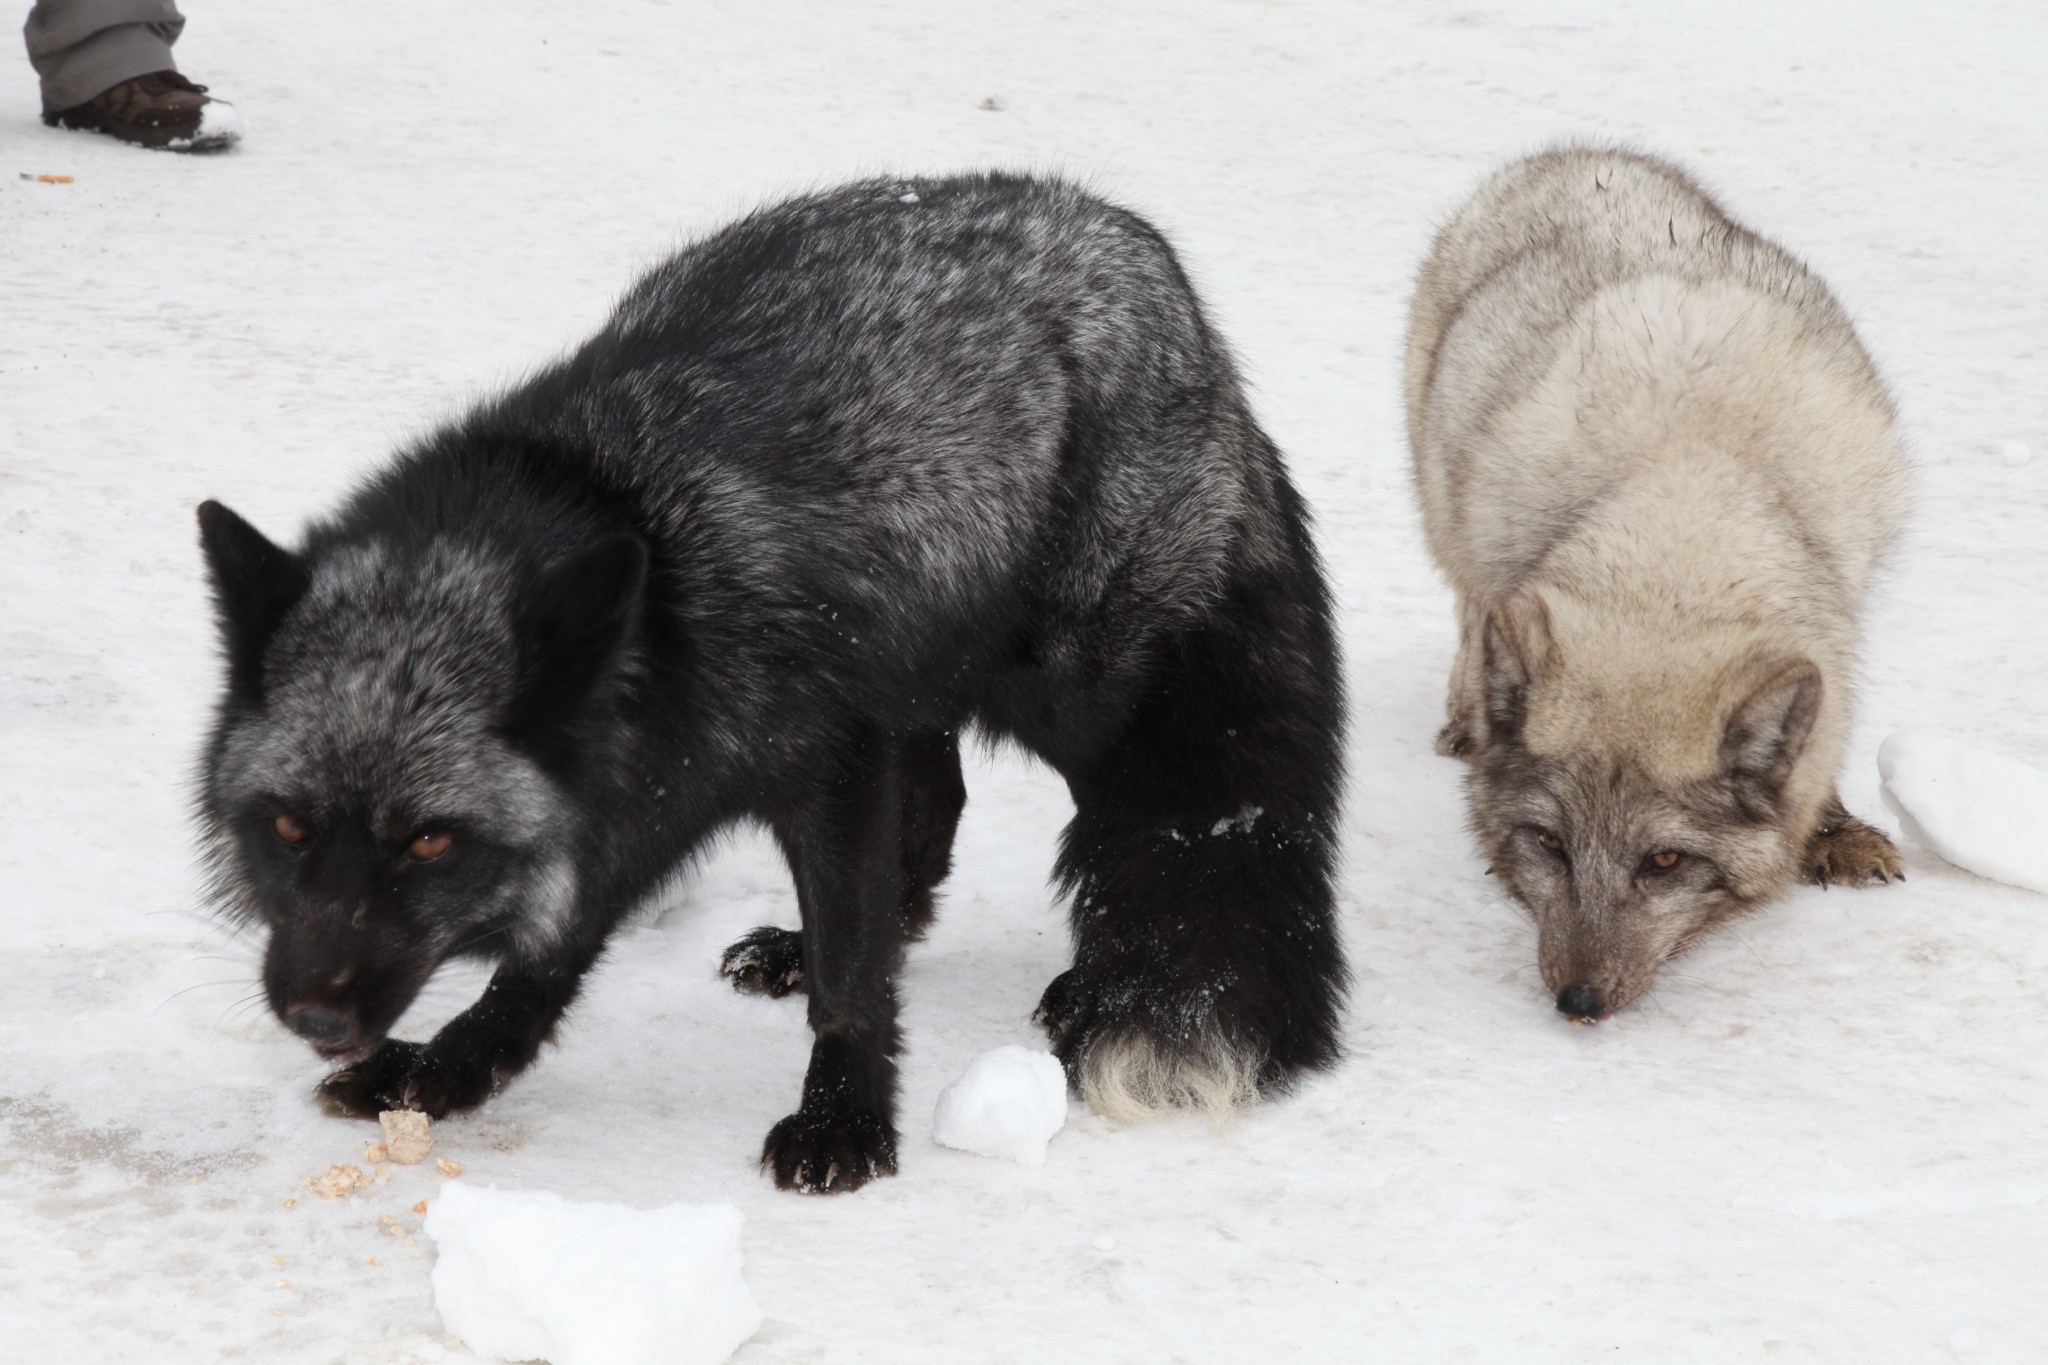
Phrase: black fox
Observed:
(858, 471)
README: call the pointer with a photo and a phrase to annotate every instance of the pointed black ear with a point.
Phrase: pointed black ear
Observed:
(1768, 730)
(1518, 649)
(579, 614)
(255, 582)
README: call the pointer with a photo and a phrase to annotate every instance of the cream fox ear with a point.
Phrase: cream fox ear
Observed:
(1768, 729)
(1519, 651)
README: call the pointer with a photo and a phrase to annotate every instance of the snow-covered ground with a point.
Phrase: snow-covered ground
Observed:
(1823, 1138)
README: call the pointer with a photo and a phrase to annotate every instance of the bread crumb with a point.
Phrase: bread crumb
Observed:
(374, 1152)
(369, 1260)
(193, 1181)
(277, 1312)
(277, 1260)
(410, 1240)
(383, 1172)
(282, 1284)
(451, 1169)
(421, 1207)
(405, 1135)
(307, 1181)
(386, 1219)
(291, 1203)
(339, 1182)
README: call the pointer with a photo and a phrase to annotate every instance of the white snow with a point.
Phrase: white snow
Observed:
(1983, 811)
(529, 1275)
(1008, 1103)
(1819, 1140)
(220, 124)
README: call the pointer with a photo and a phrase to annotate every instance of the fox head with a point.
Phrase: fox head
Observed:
(1633, 804)
(379, 791)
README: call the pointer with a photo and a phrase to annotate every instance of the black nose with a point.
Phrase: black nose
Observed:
(1581, 1004)
(316, 1025)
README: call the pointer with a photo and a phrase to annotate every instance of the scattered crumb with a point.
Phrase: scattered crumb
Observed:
(406, 1136)
(994, 104)
(421, 1207)
(374, 1153)
(451, 1169)
(193, 1181)
(307, 1181)
(383, 1172)
(277, 1312)
(410, 1240)
(282, 1284)
(293, 1203)
(369, 1260)
(277, 1260)
(386, 1219)
(339, 1182)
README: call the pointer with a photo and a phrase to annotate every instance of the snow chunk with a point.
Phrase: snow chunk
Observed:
(1008, 1103)
(220, 125)
(1982, 811)
(528, 1275)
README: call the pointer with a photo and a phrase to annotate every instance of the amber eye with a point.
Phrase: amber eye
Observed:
(1665, 860)
(1549, 841)
(428, 847)
(290, 830)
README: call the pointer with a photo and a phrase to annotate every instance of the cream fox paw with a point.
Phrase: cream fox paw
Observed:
(1847, 852)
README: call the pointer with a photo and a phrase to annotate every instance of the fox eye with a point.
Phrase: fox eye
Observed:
(290, 830)
(428, 847)
(1663, 860)
(1549, 841)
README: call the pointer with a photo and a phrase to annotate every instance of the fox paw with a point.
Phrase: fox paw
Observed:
(402, 1075)
(768, 961)
(828, 1153)
(1848, 852)
(1455, 740)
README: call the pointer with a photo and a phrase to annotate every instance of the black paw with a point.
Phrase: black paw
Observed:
(402, 1075)
(828, 1154)
(768, 961)
(1059, 1009)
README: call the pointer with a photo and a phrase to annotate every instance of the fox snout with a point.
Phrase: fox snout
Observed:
(341, 1002)
(1583, 1003)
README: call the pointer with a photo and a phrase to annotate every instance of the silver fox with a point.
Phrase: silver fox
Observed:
(1659, 470)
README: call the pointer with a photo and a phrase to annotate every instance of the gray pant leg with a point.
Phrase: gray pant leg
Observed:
(81, 47)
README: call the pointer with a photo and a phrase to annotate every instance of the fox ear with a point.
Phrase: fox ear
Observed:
(1518, 653)
(1768, 730)
(579, 615)
(255, 582)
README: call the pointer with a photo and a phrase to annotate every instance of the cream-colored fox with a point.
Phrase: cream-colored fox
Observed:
(1659, 470)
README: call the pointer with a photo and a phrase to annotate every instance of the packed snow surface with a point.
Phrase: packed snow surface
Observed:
(1008, 1103)
(1981, 810)
(1820, 1138)
(529, 1275)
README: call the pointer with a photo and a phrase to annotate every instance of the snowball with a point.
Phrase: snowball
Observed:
(1980, 810)
(527, 1275)
(1008, 1103)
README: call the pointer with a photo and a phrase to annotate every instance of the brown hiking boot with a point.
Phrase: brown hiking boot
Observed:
(161, 109)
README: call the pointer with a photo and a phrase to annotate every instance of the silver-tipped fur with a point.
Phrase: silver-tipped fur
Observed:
(1134, 1076)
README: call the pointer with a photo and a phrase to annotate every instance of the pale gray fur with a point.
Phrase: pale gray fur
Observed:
(1660, 471)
